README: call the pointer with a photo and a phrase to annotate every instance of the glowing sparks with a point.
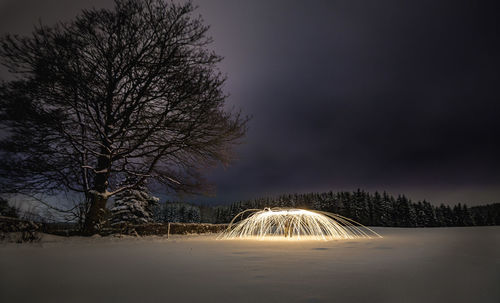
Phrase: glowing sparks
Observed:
(294, 224)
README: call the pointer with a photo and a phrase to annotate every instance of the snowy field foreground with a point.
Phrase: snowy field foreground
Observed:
(407, 265)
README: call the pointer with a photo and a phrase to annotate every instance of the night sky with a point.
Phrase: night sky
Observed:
(401, 96)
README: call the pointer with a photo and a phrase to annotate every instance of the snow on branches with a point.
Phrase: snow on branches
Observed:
(133, 206)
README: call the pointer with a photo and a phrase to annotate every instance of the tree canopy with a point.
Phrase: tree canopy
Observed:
(132, 93)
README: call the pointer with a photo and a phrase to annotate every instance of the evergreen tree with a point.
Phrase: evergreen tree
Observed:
(467, 217)
(430, 215)
(134, 206)
(404, 212)
(458, 219)
(6, 210)
(377, 210)
(387, 209)
(420, 214)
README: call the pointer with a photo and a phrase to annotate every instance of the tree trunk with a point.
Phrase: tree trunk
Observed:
(98, 198)
(96, 215)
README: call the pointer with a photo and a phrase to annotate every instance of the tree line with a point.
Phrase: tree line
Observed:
(377, 209)
(372, 209)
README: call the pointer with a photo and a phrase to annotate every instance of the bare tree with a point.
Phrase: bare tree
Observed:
(114, 94)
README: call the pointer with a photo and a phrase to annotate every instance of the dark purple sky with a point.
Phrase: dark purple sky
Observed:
(396, 95)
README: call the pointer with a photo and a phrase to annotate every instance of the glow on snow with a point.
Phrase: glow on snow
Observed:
(294, 224)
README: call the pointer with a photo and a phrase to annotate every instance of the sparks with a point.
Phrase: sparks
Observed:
(294, 224)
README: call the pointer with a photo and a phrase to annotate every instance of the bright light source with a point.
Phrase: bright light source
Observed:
(294, 224)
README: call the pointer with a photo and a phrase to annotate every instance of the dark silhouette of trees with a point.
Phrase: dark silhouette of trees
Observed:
(113, 94)
(178, 212)
(486, 214)
(368, 209)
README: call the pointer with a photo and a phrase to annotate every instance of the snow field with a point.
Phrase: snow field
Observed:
(407, 265)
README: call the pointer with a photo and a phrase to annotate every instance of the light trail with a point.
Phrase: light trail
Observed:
(294, 224)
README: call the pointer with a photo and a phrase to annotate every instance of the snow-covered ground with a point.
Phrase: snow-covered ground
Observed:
(407, 265)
